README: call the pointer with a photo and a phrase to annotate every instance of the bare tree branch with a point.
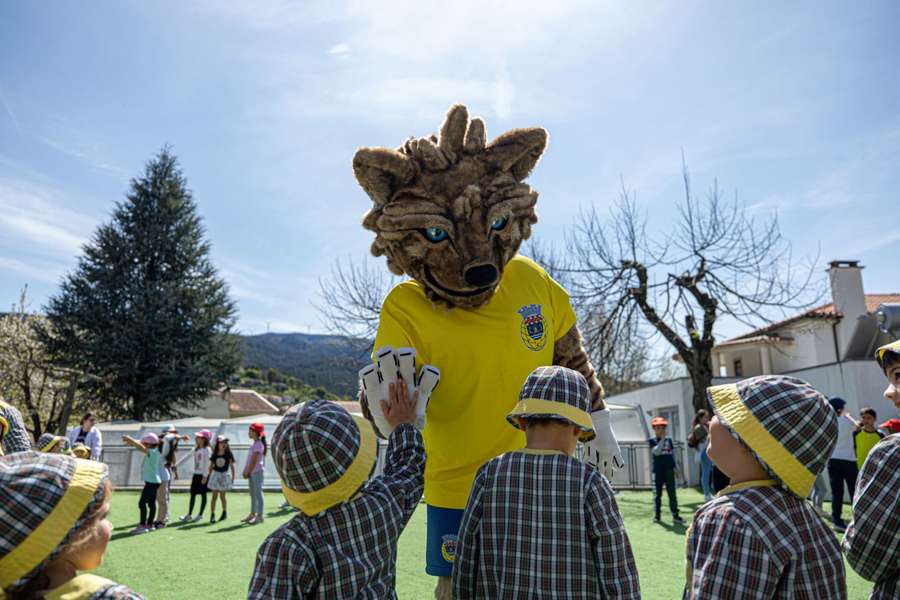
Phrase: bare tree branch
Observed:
(715, 259)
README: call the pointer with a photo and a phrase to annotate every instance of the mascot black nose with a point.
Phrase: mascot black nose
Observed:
(481, 275)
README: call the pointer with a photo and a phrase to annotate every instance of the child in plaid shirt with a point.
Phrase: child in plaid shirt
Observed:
(343, 544)
(872, 541)
(53, 523)
(538, 521)
(760, 538)
(13, 436)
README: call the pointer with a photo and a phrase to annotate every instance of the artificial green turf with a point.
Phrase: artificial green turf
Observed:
(200, 560)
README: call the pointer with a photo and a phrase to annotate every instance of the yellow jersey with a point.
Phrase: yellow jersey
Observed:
(484, 355)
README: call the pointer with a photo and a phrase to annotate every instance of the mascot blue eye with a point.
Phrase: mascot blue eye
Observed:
(435, 234)
(499, 223)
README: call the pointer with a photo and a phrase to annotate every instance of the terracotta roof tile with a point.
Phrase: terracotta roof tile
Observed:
(249, 402)
(826, 311)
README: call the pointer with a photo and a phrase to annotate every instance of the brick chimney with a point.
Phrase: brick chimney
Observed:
(849, 299)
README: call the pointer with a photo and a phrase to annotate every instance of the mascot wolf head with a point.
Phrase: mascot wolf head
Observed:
(450, 211)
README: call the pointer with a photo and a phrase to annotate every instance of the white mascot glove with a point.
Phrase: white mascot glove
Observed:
(391, 364)
(603, 450)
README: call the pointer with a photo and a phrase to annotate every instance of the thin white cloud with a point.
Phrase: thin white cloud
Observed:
(37, 215)
(284, 15)
(8, 111)
(876, 244)
(34, 270)
(339, 49)
(412, 60)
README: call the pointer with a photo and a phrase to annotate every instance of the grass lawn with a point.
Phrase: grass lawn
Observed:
(216, 561)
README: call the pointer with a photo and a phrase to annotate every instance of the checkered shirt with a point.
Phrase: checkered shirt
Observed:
(544, 524)
(349, 550)
(115, 592)
(795, 414)
(762, 542)
(872, 541)
(16, 439)
(31, 485)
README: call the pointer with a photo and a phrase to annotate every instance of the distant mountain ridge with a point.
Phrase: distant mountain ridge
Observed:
(329, 361)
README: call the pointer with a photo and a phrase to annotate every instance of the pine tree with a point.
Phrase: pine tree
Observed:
(145, 311)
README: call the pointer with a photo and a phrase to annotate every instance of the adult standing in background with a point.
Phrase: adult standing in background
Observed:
(842, 465)
(87, 434)
(699, 440)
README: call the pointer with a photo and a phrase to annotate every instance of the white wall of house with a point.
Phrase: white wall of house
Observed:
(813, 345)
(859, 382)
(213, 406)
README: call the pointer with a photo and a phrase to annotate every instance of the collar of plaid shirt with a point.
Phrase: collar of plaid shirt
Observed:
(541, 451)
(728, 403)
(48, 535)
(746, 485)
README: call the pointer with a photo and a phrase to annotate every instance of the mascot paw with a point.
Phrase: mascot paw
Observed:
(393, 365)
(603, 450)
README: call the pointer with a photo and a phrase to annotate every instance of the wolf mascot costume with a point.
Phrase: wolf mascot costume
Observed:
(450, 212)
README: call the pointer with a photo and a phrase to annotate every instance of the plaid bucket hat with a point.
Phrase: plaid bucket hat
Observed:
(323, 455)
(13, 436)
(788, 426)
(555, 393)
(44, 500)
(81, 451)
(884, 352)
(47, 442)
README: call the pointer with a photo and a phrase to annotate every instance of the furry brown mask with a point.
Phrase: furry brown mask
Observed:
(450, 211)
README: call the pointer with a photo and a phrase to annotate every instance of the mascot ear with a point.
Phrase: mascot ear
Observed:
(518, 151)
(381, 171)
(453, 131)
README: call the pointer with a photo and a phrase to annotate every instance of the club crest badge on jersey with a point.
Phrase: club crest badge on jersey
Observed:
(532, 328)
(448, 547)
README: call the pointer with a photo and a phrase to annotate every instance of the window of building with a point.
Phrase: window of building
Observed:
(738, 368)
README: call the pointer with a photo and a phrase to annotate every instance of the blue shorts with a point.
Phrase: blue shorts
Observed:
(440, 548)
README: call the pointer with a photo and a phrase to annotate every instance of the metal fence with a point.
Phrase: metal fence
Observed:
(125, 466)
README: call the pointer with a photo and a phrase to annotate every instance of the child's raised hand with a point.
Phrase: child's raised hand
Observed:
(399, 407)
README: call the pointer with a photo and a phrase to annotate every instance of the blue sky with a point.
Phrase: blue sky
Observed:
(796, 107)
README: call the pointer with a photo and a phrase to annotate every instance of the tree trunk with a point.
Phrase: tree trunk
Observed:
(66, 413)
(701, 378)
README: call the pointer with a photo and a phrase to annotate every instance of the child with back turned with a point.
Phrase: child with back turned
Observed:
(872, 541)
(760, 538)
(540, 523)
(343, 542)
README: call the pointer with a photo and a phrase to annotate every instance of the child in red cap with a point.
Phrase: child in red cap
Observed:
(663, 450)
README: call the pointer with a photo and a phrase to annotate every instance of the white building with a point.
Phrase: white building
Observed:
(830, 346)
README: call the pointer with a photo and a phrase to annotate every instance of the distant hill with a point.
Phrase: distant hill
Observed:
(327, 361)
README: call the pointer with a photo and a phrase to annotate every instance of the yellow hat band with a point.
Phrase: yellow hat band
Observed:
(728, 404)
(83, 586)
(45, 538)
(49, 445)
(537, 406)
(312, 503)
(892, 347)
